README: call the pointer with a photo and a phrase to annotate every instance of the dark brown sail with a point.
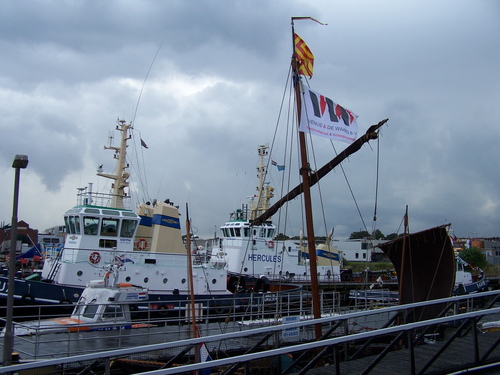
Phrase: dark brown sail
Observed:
(425, 266)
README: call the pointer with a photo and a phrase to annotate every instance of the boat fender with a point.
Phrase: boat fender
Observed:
(28, 299)
(270, 244)
(236, 284)
(95, 257)
(263, 284)
(124, 285)
(219, 310)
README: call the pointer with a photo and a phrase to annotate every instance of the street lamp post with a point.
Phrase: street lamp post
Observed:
(20, 162)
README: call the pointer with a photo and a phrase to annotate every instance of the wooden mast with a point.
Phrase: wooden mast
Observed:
(191, 285)
(304, 172)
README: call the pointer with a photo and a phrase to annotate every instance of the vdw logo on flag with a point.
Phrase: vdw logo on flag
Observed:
(321, 116)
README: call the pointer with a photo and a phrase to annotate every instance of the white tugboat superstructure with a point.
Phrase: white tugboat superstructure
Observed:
(253, 250)
(147, 244)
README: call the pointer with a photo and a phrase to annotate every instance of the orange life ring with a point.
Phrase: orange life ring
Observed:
(270, 244)
(141, 244)
(95, 257)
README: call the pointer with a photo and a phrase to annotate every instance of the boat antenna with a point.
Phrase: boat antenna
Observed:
(144, 183)
(144, 82)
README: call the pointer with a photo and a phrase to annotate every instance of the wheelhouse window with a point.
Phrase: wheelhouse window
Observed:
(108, 244)
(72, 224)
(128, 228)
(90, 311)
(112, 312)
(66, 223)
(246, 232)
(76, 223)
(90, 225)
(109, 227)
(237, 232)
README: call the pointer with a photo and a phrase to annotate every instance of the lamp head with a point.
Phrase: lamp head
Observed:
(20, 161)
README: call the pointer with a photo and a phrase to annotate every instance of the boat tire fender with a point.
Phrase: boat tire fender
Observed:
(263, 284)
(236, 284)
(28, 299)
(219, 310)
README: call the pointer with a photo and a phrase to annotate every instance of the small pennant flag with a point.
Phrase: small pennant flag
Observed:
(143, 144)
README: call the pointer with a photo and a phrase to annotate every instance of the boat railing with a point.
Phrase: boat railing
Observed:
(52, 252)
(81, 254)
(271, 340)
(301, 278)
(160, 322)
(84, 198)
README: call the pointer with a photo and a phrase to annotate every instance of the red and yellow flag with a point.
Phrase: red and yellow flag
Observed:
(304, 56)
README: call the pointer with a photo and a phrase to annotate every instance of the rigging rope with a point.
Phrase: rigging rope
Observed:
(376, 187)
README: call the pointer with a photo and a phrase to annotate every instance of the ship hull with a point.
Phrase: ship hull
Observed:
(32, 293)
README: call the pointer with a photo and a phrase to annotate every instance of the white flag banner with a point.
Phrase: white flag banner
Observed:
(321, 116)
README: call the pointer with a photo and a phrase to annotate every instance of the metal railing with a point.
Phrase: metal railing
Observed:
(274, 339)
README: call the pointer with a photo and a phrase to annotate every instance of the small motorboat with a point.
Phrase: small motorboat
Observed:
(103, 306)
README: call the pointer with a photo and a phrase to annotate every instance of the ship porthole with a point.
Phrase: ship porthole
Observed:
(79, 273)
(165, 280)
(127, 279)
(146, 279)
(214, 281)
(183, 281)
(245, 269)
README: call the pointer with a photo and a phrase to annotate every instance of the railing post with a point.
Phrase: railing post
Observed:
(337, 359)
(475, 338)
(411, 348)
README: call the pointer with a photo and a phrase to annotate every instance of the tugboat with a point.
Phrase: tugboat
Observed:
(254, 252)
(147, 244)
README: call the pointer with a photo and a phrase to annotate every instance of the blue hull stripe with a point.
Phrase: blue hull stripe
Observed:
(323, 254)
(166, 221)
(146, 221)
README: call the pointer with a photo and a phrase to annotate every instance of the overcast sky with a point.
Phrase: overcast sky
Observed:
(70, 69)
